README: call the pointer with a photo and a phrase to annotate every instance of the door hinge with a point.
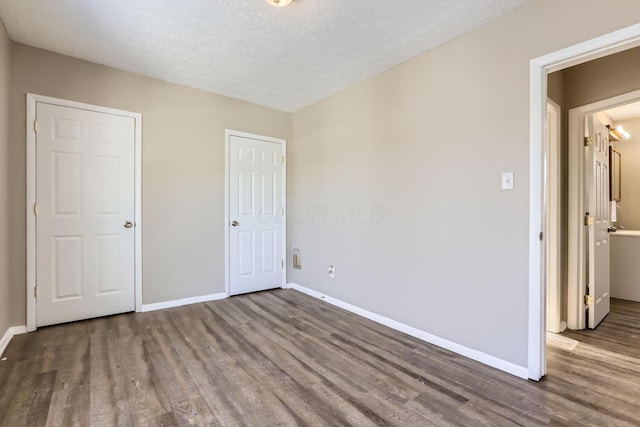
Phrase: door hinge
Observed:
(541, 236)
(282, 263)
(282, 211)
(283, 158)
(588, 141)
(588, 300)
(588, 220)
(35, 292)
(35, 126)
(35, 209)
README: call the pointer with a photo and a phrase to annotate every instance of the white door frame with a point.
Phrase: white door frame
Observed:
(598, 47)
(227, 200)
(32, 100)
(577, 286)
(553, 252)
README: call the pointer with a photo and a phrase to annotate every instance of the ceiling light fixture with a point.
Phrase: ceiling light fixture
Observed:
(623, 132)
(618, 133)
(279, 3)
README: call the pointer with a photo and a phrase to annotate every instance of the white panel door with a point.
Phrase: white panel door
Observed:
(597, 199)
(84, 225)
(256, 214)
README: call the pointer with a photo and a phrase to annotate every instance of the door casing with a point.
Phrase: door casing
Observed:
(577, 286)
(608, 44)
(553, 196)
(227, 200)
(32, 100)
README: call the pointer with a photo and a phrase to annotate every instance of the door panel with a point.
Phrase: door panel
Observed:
(256, 203)
(67, 267)
(85, 193)
(597, 185)
(67, 184)
(109, 268)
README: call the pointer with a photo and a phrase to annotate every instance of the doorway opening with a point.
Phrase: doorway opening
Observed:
(540, 181)
(588, 277)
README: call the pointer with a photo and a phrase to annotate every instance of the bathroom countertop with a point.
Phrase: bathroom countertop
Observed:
(626, 233)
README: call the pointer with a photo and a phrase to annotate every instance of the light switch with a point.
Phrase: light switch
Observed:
(507, 181)
(332, 271)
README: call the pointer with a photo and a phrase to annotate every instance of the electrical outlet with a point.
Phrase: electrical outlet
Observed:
(332, 271)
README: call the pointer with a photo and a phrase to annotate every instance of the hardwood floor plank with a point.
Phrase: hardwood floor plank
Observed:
(162, 364)
(70, 398)
(24, 363)
(32, 395)
(207, 381)
(283, 358)
(144, 403)
(444, 373)
(106, 394)
(231, 398)
(270, 373)
(165, 420)
(39, 407)
(374, 393)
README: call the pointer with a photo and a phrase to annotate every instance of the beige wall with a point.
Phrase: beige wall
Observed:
(426, 143)
(555, 87)
(603, 78)
(182, 166)
(5, 67)
(629, 204)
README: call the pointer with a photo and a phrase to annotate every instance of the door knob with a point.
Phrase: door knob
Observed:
(235, 223)
(128, 224)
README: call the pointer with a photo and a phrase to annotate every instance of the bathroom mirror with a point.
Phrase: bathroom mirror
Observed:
(614, 173)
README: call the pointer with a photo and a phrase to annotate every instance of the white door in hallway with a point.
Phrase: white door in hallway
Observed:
(598, 205)
(85, 196)
(256, 212)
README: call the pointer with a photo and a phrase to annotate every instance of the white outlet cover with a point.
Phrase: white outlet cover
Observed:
(507, 181)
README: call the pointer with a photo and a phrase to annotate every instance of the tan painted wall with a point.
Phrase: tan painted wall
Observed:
(603, 78)
(182, 166)
(425, 144)
(629, 204)
(5, 247)
(555, 87)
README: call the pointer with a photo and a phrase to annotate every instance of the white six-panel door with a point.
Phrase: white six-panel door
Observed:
(256, 215)
(597, 198)
(85, 260)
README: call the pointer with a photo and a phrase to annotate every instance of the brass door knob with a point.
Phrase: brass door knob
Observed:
(128, 224)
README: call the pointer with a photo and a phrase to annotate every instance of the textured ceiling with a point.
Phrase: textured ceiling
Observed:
(285, 58)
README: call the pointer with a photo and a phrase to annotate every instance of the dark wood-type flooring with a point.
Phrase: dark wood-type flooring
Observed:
(283, 358)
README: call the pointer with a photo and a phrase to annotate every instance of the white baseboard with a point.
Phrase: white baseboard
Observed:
(11, 332)
(476, 355)
(181, 302)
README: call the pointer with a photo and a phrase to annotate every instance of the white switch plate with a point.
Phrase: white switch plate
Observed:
(507, 181)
